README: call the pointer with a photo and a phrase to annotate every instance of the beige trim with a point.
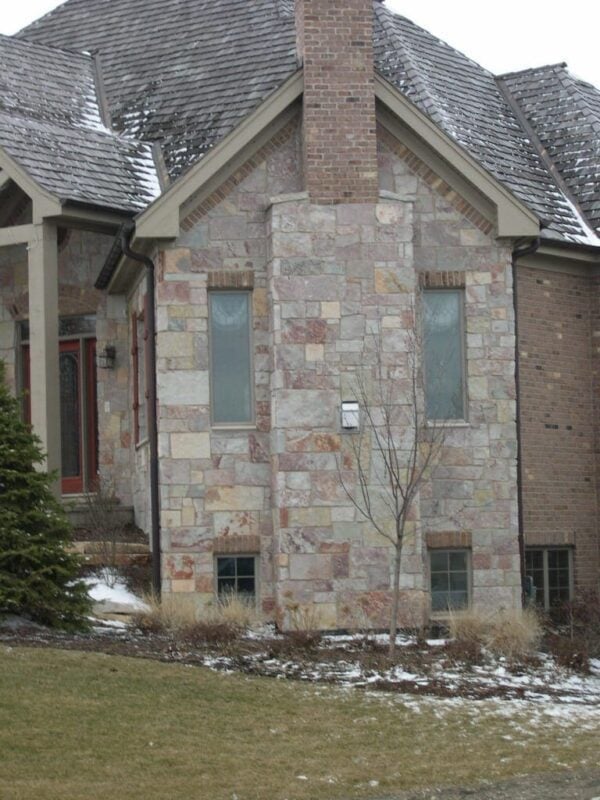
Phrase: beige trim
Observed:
(90, 219)
(161, 219)
(44, 203)
(568, 262)
(514, 219)
(43, 342)
(16, 234)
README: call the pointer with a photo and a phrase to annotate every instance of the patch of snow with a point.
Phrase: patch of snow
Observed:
(102, 591)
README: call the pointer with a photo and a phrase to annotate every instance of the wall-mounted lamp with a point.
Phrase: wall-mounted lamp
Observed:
(106, 358)
(350, 415)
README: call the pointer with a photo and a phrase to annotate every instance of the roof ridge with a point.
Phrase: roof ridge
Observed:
(391, 13)
(411, 67)
(529, 70)
(569, 84)
(24, 42)
(542, 152)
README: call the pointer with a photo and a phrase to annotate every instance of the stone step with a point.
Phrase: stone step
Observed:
(78, 514)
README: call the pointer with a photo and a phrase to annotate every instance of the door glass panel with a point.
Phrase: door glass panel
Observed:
(70, 415)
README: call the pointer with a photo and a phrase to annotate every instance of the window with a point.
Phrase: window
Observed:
(450, 579)
(230, 357)
(443, 354)
(236, 575)
(140, 394)
(550, 570)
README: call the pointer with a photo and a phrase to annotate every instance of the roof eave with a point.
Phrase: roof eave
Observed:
(514, 219)
(161, 219)
(44, 203)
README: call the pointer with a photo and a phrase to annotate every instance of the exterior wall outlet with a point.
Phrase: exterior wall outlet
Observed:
(350, 415)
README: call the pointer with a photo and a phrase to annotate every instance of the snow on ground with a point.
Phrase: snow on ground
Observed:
(111, 589)
(545, 690)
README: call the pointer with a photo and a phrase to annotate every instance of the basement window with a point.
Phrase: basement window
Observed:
(236, 575)
(450, 577)
(551, 571)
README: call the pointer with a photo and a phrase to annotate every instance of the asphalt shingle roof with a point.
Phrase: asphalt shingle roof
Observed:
(50, 124)
(179, 72)
(186, 72)
(564, 112)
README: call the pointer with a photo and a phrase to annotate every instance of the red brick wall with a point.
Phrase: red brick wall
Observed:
(558, 415)
(335, 43)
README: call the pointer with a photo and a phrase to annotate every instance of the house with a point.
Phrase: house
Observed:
(205, 210)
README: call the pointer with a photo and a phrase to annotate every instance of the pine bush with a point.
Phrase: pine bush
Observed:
(38, 576)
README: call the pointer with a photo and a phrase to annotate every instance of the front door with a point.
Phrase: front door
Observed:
(78, 419)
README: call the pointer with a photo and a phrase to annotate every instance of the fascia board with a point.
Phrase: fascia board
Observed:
(514, 219)
(161, 219)
(44, 204)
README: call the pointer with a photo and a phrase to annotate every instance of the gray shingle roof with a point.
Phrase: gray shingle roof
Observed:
(465, 101)
(50, 125)
(182, 73)
(565, 115)
(185, 72)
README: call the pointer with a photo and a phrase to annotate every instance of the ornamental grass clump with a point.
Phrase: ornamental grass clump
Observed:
(511, 633)
(38, 574)
(183, 618)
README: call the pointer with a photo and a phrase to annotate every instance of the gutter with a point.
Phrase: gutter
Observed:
(520, 252)
(126, 234)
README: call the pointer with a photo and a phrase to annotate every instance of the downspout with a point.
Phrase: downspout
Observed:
(520, 252)
(126, 234)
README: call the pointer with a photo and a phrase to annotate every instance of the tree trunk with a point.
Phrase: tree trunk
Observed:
(395, 600)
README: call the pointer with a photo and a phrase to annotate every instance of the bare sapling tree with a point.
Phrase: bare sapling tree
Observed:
(395, 450)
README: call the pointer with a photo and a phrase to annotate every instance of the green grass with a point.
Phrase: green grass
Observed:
(88, 726)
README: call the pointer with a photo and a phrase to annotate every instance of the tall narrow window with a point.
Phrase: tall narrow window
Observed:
(443, 352)
(230, 357)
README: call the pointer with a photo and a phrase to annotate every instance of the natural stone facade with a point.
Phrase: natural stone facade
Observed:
(323, 279)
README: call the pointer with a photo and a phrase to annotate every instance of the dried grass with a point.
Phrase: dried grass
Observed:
(180, 615)
(512, 633)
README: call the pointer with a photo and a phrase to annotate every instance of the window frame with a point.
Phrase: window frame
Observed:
(240, 424)
(256, 560)
(545, 550)
(469, 571)
(460, 291)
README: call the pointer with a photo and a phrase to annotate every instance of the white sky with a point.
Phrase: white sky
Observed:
(503, 36)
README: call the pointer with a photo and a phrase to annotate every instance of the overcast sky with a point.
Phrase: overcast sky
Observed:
(503, 36)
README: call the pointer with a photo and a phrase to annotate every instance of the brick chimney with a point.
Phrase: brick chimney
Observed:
(335, 46)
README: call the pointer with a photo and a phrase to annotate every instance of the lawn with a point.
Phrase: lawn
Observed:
(88, 726)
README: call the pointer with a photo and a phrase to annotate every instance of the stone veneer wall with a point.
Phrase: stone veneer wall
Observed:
(81, 255)
(337, 275)
(322, 277)
(215, 483)
(558, 372)
(472, 499)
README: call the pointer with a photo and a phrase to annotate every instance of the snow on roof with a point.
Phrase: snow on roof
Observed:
(216, 60)
(50, 124)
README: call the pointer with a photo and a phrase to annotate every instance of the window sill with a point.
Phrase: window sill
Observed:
(142, 443)
(447, 423)
(233, 427)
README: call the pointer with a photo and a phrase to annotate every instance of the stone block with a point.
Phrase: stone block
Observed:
(236, 523)
(234, 498)
(183, 387)
(306, 408)
(190, 445)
